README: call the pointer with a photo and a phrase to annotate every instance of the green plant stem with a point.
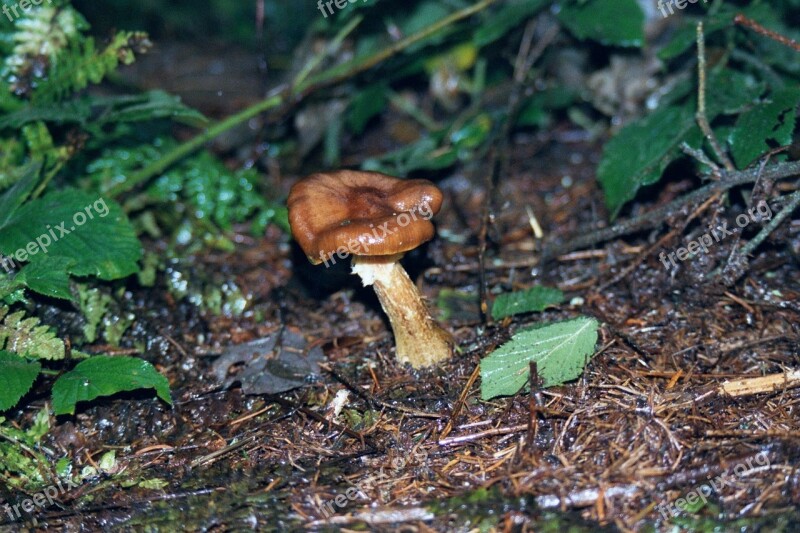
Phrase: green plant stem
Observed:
(50, 174)
(353, 67)
(299, 89)
(181, 151)
(334, 45)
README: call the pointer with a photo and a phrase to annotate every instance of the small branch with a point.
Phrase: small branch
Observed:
(700, 156)
(488, 433)
(379, 516)
(655, 217)
(700, 116)
(460, 403)
(751, 386)
(742, 20)
(793, 200)
(755, 242)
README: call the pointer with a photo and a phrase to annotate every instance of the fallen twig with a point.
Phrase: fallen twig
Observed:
(586, 497)
(658, 215)
(379, 516)
(700, 116)
(488, 433)
(770, 383)
(742, 20)
(460, 402)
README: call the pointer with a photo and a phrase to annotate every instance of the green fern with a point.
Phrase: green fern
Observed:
(81, 64)
(39, 35)
(27, 337)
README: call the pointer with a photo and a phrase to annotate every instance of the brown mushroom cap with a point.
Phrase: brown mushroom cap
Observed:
(365, 213)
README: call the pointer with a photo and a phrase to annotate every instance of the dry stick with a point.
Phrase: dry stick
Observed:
(700, 116)
(771, 383)
(791, 205)
(289, 96)
(488, 433)
(379, 516)
(635, 263)
(742, 20)
(534, 405)
(755, 242)
(460, 403)
(372, 400)
(700, 156)
(655, 217)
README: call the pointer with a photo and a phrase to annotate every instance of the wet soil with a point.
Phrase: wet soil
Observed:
(635, 433)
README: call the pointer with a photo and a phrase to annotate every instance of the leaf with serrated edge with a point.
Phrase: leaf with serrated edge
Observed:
(103, 245)
(16, 378)
(104, 375)
(768, 121)
(560, 351)
(48, 277)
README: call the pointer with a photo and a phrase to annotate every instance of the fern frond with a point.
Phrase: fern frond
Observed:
(81, 64)
(39, 35)
(27, 337)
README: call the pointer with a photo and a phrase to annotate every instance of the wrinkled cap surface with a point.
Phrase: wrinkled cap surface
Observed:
(361, 213)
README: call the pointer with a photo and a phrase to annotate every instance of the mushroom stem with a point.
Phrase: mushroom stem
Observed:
(419, 340)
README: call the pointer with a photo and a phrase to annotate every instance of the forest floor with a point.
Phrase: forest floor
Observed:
(644, 428)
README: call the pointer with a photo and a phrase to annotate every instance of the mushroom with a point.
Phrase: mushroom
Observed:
(375, 218)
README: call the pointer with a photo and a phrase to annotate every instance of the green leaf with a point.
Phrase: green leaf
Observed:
(764, 127)
(641, 151)
(26, 337)
(527, 301)
(16, 378)
(686, 35)
(497, 25)
(535, 111)
(73, 111)
(721, 100)
(104, 375)
(73, 225)
(365, 105)
(19, 192)
(150, 106)
(610, 22)
(48, 277)
(560, 351)
(108, 109)
(426, 14)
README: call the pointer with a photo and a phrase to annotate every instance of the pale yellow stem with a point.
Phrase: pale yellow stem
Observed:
(419, 339)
